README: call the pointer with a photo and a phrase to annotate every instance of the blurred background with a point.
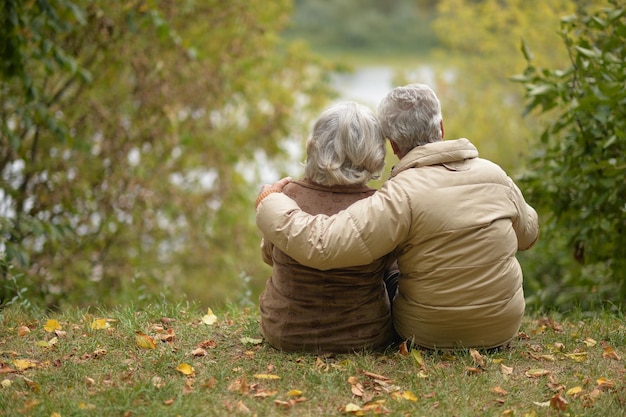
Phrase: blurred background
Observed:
(136, 134)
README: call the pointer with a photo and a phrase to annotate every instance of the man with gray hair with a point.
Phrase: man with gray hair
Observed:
(454, 222)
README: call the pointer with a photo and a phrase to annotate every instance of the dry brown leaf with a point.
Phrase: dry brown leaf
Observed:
(558, 403)
(473, 370)
(404, 351)
(357, 390)
(240, 385)
(375, 376)
(609, 353)
(207, 344)
(23, 331)
(500, 391)
(506, 370)
(197, 352)
(477, 358)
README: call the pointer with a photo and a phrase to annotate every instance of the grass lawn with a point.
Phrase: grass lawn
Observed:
(180, 360)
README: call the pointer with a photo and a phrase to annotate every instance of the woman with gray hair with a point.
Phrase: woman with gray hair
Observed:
(343, 309)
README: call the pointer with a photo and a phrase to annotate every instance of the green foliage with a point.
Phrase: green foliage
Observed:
(388, 28)
(577, 174)
(128, 132)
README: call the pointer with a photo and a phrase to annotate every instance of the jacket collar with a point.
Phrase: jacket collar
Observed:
(443, 152)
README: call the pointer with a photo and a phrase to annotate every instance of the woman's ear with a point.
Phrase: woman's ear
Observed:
(441, 124)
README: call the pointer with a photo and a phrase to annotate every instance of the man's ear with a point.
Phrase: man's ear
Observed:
(441, 124)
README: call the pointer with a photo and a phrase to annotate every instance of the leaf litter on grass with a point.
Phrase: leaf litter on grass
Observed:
(562, 367)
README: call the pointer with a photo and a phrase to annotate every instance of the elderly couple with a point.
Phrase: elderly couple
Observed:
(430, 257)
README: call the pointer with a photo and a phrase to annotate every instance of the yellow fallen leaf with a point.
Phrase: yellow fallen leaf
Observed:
(266, 376)
(351, 408)
(23, 364)
(209, 318)
(417, 357)
(536, 373)
(6, 383)
(251, 341)
(294, 393)
(86, 406)
(589, 342)
(574, 390)
(408, 395)
(52, 325)
(55, 414)
(100, 324)
(185, 369)
(144, 341)
(604, 383)
(577, 357)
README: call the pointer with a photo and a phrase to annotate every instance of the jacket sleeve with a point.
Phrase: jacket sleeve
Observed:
(526, 224)
(266, 251)
(364, 232)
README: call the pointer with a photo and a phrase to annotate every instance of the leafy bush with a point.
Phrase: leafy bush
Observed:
(576, 177)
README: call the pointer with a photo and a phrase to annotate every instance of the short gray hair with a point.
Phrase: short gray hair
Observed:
(346, 146)
(411, 116)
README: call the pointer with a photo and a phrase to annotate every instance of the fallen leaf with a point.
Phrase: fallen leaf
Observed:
(473, 370)
(408, 395)
(198, 352)
(477, 358)
(351, 408)
(23, 364)
(589, 342)
(375, 376)
(558, 403)
(559, 347)
(52, 325)
(100, 324)
(185, 369)
(144, 341)
(209, 318)
(207, 344)
(404, 351)
(240, 385)
(6, 383)
(86, 406)
(577, 356)
(242, 408)
(294, 393)
(500, 391)
(536, 373)
(506, 370)
(609, 353)
(417, 357)
(250, 340)
(574, 391)
(55, 414)
(23, 331)
(357, 390)
(169, 401)
(604, 384)
(266, 376)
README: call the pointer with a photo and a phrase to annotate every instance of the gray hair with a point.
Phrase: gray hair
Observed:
(411, 116)
(346, 146)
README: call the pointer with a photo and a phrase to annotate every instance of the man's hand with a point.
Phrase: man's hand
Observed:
(268, 189)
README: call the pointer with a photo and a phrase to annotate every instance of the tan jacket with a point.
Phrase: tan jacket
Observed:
(456, 221)
(334, 311)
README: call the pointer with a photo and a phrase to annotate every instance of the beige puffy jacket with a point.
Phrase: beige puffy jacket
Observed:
(455, 222)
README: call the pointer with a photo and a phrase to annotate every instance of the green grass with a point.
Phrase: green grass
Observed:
(82, 371)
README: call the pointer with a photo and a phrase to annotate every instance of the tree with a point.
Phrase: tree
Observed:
(577, 175)
(130, 130)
